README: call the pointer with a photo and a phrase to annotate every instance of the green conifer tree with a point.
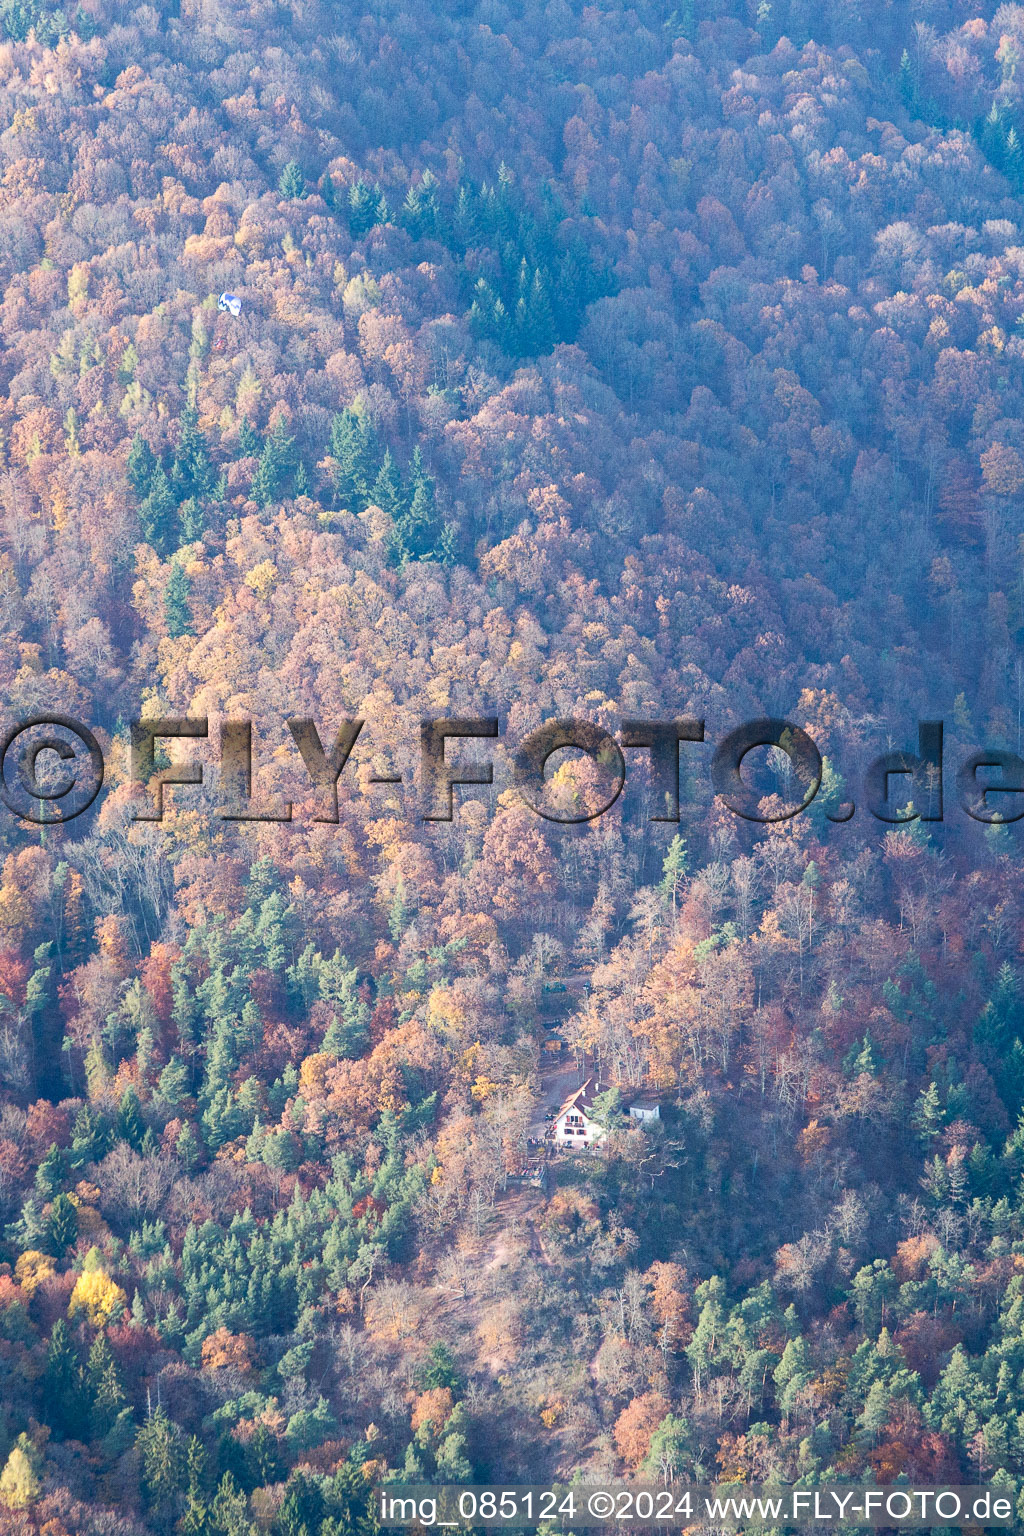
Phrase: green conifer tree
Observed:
(274, 466)
(249, 442)
(464, 220)
(353, 448)
(927, 1116)
(177, 611)
(188, 1148)
(62, 1226)
(191, 520)
(411, 212)
(106, 1390)
(160, 1446)
(364, 208)
(538, 327)
(130, 1125)
(673, 869)
(265, 1455)
(192, 472)
(228, 1509)
(65, 1392)
(50, 1173)
(142, 464)
(172, 1085)
(386, 492)
(292, 183)
(156, 513)
(88, 1138)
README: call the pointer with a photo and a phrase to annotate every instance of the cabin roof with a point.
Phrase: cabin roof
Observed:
(581, 1098)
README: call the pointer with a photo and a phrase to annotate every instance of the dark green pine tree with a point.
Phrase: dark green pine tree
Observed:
(927, 1116)
(417, 530)
(486, 213)
(188, 1148)
(159, 1445)
(192, 472)
(106, 1389)
(448, 545)
(197, 1465)
(465, 224)
(62, 1226)
(173, 1083)
(430, 207)
(350, 1499)
(328, 191)
(539, 326)
(229, 1508)
(571, 292)
(176, 606)
(197, 1517)
(508, 215)
(997, 1036)
(412, 535)
(554, 210)
(191, 520)
(18, 17)
(411, 213)
(990, 135)
(141, 464)
(1013, 158)
(502, 327)
(292, 183)
(262, 882)
(859, 1062)
(156, 513)
(89, 1140)
(50, 1173)
(302, 1511)
(354, 450)
(274, 467)
(440, 1369)
(130, 1125)
(265, 1456)
(29, 1230)
(65, 1405)
(364, 208)
(386, 492)
(685, 20)
(419, 212)
(488, 317)
(250, 444)
(520, 314)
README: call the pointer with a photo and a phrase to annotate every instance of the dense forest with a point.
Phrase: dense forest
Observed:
(595, 362)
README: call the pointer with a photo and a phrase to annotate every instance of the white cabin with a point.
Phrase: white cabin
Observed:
(573, 1126)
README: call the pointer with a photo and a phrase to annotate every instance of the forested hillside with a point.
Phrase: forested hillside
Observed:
(591, 362)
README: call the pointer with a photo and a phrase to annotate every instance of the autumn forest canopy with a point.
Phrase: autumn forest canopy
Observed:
(602, 361)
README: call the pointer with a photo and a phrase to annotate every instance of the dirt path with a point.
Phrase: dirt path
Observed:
(519, 1214)
(556, 1084)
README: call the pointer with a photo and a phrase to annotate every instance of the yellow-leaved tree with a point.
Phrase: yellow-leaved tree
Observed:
(32, 1269)
(19, 1481)
(99, 1297)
